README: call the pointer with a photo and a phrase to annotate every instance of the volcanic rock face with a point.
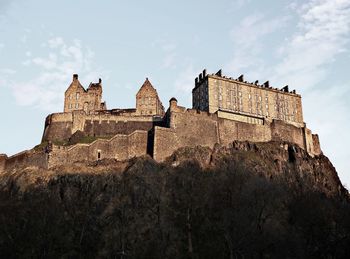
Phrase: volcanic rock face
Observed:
(247, 200)
(271, 160)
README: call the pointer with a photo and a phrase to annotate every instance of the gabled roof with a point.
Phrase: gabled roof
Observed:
(76, 83)
(147, 85)
(96, 85)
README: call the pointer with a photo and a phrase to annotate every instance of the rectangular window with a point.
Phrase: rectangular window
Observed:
(77, 96)
(77, 105)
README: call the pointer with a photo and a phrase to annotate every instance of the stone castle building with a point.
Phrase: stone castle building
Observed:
(224, 110)
(76, 98)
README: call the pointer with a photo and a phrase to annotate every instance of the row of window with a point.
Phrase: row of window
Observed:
(77, 95)
(76, 106)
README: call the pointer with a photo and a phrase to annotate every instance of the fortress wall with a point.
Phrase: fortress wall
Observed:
(3, 158)
(194, 128)
(282, 131)
(58, 131)
(27, 159)
(308, 141)
(188, 128)
(111, 128)
(165, 143)
(117, 117)
(316, 144)
(60, 117)
(120, 147)
(61, 126)
(234, 130)
(137, 145)
(58, 126)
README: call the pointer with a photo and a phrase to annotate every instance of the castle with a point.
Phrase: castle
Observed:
(224, 109)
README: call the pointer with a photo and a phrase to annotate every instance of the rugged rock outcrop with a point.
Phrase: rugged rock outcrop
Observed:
(252, 200)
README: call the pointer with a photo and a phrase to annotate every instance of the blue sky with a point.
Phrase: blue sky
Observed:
(304, 44)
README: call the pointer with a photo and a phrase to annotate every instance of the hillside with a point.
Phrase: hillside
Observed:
(249, 200)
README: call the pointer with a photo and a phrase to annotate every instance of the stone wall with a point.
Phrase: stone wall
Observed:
(61, 126)
(188, 127)
(28, 158)
(119, 147)
(3, 158)
(282, 131)
(230, 130)
(58, 126)
(316, 143)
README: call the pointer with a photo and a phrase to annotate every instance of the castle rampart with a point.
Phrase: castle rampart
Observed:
(27, 158)
(61, 126)
(188, 127)
(224, 110)
(119, 147)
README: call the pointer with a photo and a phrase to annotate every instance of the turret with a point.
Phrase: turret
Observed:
(172, 103)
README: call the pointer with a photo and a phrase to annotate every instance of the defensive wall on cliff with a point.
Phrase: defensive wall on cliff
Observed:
(190, 127)
(61, 126)
(27, 158)
(134, 136)
(120, 147)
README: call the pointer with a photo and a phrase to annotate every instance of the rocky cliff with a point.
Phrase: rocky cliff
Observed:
(251, 200)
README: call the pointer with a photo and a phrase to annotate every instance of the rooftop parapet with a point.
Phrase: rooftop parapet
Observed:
(203, 76)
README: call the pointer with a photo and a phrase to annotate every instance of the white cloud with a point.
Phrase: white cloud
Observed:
(185, 82)
(54, 71)
(55, 42)
(247, 38)
(323, 33)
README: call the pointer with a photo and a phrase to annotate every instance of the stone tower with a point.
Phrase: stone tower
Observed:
(147, 100)
(77, 98)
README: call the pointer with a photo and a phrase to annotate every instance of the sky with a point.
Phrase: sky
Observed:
(304, 44)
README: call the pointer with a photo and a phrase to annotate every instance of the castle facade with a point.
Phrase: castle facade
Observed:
(224, 110)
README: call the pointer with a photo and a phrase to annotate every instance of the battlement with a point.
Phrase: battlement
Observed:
(240, 80)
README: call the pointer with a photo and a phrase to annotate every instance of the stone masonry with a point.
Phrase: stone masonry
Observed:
(224, 110)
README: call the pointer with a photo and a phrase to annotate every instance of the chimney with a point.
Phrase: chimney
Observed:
(99, 80)
(75, 77)
(196, 81)
(285, 89)
(256, 82)
(204, 73)
(219, 73)
(267, 84)
(240, 78)
(200, 77)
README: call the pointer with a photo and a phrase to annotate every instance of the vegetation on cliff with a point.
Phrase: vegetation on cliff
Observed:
(266, 200)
